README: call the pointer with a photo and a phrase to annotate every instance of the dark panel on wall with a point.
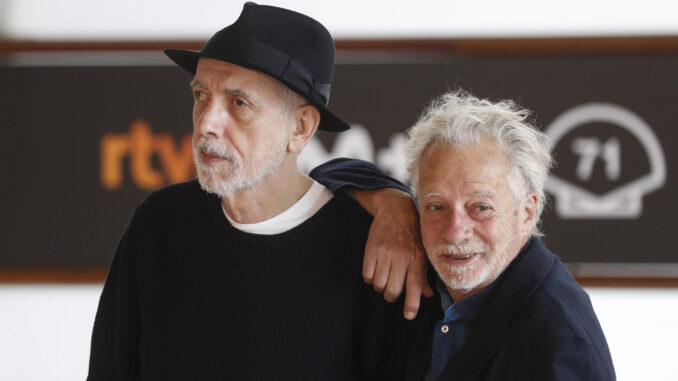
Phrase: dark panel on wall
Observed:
(82, 145)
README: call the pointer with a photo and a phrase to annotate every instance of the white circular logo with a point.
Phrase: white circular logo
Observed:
(625, 201)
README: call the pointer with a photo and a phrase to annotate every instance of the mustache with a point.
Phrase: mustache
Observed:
(462, 249)
(209, 147)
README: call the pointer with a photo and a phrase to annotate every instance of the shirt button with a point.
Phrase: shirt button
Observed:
(444, 329)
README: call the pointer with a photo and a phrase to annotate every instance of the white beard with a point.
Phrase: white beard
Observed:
(482, 271)
(242, 174)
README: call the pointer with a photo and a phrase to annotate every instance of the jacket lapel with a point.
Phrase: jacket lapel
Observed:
(513, 289)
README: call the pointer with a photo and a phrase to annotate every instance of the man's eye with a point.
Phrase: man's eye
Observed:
(198, 94)
(434, 207)
(482, 211)
(240, 102)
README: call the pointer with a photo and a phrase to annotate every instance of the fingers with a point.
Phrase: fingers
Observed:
(385, 271)
(391, 271)
(419, 271)
(414, 288)
(396, 279)
(369, 264)
(417, 284)
(376, 267)
(383, 268)
(412, 299)
(393, 247)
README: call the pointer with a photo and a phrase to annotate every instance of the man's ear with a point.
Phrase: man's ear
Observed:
(529, 213)
(307, 120)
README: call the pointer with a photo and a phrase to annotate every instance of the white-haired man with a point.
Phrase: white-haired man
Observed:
(507, 309)
(511, 311)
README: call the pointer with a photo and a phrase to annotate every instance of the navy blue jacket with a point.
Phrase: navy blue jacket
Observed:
(538, 325)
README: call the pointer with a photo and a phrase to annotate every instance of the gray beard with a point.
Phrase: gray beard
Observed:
(242, 174)
(462, 279)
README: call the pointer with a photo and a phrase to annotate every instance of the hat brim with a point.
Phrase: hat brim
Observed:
(188, 60)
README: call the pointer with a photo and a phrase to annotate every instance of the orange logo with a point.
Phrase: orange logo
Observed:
(141, 146)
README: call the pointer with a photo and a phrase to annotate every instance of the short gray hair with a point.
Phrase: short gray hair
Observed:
(459, 118)
(289, 100)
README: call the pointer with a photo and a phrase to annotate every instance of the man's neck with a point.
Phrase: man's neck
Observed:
(275, 194)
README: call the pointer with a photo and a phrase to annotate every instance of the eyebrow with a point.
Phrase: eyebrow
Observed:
(195, 83)
(482, 194)
(237, 91)
(430, 194)
(473, 194)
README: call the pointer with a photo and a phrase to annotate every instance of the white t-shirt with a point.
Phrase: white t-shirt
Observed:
(314, 199)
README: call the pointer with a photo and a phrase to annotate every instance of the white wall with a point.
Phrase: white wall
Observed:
(45, 331)
(199, 19)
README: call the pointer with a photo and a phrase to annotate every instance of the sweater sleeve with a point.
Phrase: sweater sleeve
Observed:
(115, 338)
(342, 174)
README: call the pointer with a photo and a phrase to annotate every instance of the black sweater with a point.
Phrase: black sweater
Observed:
(189, 297)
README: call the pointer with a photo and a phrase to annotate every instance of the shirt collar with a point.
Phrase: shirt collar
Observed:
(466, 310)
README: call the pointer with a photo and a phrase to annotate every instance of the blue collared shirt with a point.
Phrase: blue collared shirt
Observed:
(451, 333)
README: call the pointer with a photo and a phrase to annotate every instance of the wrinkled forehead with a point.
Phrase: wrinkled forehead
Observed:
(217, 71)
(444, 164)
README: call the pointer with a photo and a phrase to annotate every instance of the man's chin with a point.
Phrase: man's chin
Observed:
(215, 184)
(463, 280)
(463, 286)
(212, 185)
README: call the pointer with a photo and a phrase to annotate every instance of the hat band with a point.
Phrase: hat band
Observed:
(248, 52)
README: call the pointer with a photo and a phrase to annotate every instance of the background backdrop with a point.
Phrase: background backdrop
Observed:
(86, 143)
(93, 117)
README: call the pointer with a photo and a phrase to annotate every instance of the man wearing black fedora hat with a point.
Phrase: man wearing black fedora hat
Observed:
(252, 271)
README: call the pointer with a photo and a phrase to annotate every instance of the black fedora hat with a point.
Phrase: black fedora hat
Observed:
(292, 48)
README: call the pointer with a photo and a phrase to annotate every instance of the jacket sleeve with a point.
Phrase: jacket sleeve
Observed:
(341, 174)
(573, 358)
(114, 351)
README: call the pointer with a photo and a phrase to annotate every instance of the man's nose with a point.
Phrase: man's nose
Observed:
(211, 120)
(459, 227)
